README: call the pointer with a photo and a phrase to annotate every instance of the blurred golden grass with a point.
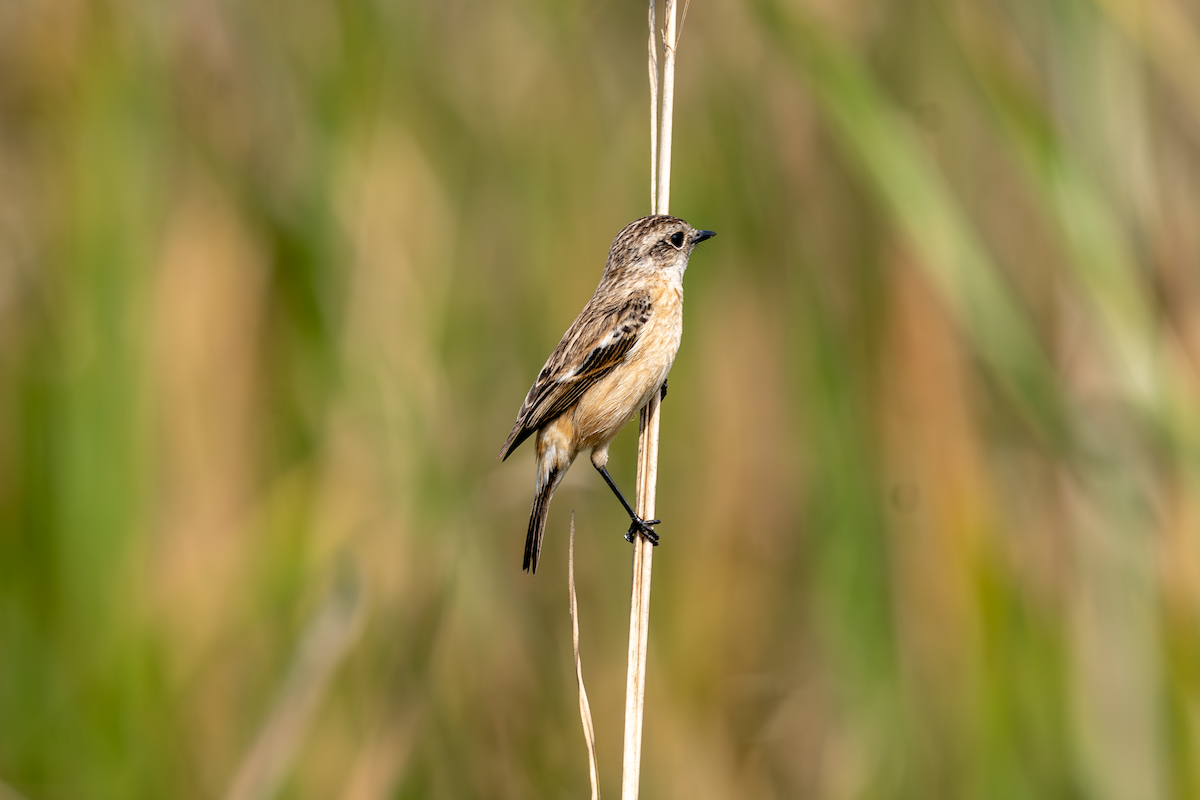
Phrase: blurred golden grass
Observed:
(274, 278)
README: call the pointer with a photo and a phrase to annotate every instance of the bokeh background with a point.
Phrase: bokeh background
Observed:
(275, 277)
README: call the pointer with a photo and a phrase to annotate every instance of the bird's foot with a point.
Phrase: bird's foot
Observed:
(642, 526)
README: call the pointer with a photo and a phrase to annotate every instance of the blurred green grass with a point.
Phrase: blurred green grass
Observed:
(275, 277)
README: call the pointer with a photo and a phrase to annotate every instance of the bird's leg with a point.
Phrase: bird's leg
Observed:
(637, 524)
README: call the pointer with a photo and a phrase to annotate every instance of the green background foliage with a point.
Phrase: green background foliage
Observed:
(275, 277)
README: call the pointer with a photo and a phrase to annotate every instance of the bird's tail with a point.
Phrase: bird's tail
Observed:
(537, 518)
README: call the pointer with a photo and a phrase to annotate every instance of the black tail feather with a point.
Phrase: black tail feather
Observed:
(537, 522)
(518, 435)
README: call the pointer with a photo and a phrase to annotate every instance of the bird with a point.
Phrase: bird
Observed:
(615, 357)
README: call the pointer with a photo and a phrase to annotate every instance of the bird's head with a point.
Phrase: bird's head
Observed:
(657, 245)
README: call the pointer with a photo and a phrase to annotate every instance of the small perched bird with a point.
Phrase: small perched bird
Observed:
(610, 362)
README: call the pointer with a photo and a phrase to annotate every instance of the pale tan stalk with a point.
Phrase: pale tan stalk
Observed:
(663, 201)
(647, 469)
(653, 45)
(639, 604)
(585, 710)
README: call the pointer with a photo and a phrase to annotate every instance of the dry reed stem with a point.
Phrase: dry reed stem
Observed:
(653, 46)
(647, 470)
(639, 604)
(585, 710)
(663, 201)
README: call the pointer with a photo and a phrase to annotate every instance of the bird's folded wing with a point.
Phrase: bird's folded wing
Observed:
(591, 348)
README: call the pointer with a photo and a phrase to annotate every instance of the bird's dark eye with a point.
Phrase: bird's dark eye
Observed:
(677, 240)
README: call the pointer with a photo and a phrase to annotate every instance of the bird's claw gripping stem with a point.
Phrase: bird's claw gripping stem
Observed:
(642, 526)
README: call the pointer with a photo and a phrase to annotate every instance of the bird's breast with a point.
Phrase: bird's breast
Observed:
(607, 407)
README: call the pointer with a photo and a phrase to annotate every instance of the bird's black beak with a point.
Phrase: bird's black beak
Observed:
(702, 235)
